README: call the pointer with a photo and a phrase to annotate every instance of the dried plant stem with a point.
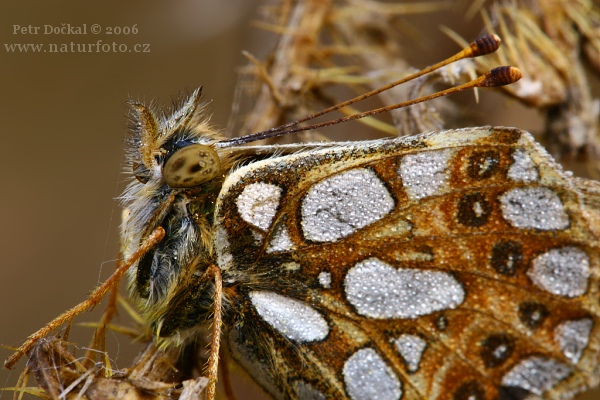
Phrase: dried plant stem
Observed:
(99, 339)
(295, 48)
(95, 297)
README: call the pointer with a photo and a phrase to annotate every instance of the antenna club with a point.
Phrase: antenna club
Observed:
(501, 76)
(485, 45)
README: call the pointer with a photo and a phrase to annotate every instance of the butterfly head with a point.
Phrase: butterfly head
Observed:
(174, 149)
(177, 171)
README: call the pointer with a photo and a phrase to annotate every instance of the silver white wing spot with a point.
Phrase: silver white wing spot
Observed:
(411, 349)
(344, 203)
(573, 336)
(424, 174)
(281, 241)
(292, 318)
(367, 377)
(534, 207)
(564, 271)
(325, 279)
(522, 169)
(378, 290)
(536, 374)
(257, 204)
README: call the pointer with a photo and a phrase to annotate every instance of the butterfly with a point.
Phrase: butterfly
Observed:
(458, 264)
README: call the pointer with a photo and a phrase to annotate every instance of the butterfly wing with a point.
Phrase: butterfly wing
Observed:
(456, 264)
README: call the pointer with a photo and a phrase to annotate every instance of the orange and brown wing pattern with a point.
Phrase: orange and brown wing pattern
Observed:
(450, 265)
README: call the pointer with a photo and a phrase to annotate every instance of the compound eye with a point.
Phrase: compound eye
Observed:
(191, 166)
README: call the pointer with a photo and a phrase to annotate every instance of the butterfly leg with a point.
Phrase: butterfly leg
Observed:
(94, 298)
(213, 359)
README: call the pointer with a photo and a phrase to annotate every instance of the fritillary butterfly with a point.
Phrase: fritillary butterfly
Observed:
(459, 264)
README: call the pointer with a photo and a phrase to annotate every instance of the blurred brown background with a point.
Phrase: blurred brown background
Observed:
(64, 122)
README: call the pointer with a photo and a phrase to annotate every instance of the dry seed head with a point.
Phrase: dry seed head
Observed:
(544, 39)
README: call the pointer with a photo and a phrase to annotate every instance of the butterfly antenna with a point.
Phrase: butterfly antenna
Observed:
(484, 45)
(499, 76)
